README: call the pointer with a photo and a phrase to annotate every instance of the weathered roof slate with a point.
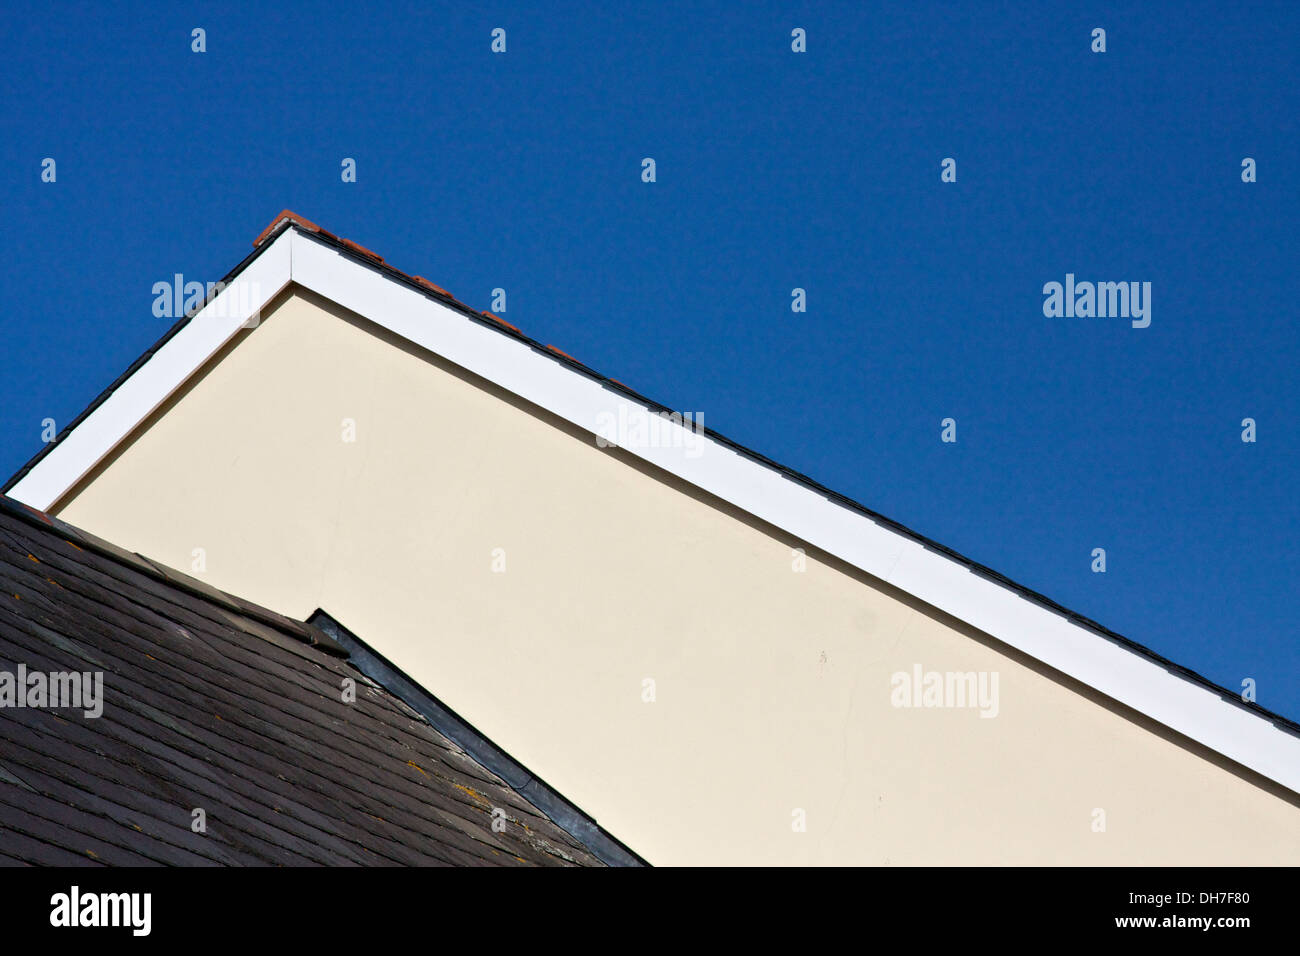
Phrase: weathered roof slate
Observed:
(212, 703)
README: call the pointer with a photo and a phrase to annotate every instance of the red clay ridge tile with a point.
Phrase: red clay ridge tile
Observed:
(355, 247)
(560, 352)
(436, 288)
(496, 318)
(288, 215)
(619, 384)
(292, 217)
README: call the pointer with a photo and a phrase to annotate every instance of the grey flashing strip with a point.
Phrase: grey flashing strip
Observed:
(605, 847)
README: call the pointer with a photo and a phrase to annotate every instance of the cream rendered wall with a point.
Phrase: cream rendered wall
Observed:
(772, 687)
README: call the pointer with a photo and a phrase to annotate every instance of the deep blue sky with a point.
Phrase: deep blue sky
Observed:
(775, 170)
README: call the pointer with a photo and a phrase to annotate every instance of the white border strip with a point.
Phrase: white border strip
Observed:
(881, 551)
(155, 381)
(935, 578)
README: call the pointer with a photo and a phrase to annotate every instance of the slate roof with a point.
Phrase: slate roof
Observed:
(211, 702)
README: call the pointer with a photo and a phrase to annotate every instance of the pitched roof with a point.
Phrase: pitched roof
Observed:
(211, 703)
(293, 250)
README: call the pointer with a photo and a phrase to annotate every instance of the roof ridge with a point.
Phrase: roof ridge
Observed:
(288, 219)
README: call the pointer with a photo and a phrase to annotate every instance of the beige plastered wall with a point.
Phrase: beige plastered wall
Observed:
(771, 687)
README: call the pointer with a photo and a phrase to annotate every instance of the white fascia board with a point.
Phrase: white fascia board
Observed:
(884, 552)
(870, 545)
(154, 382)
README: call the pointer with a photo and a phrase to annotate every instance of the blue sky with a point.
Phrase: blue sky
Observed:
(775, 170)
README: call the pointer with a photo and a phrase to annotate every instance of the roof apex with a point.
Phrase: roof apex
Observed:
(286, 215)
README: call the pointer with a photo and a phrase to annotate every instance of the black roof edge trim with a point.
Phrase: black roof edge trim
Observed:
(583, 828)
